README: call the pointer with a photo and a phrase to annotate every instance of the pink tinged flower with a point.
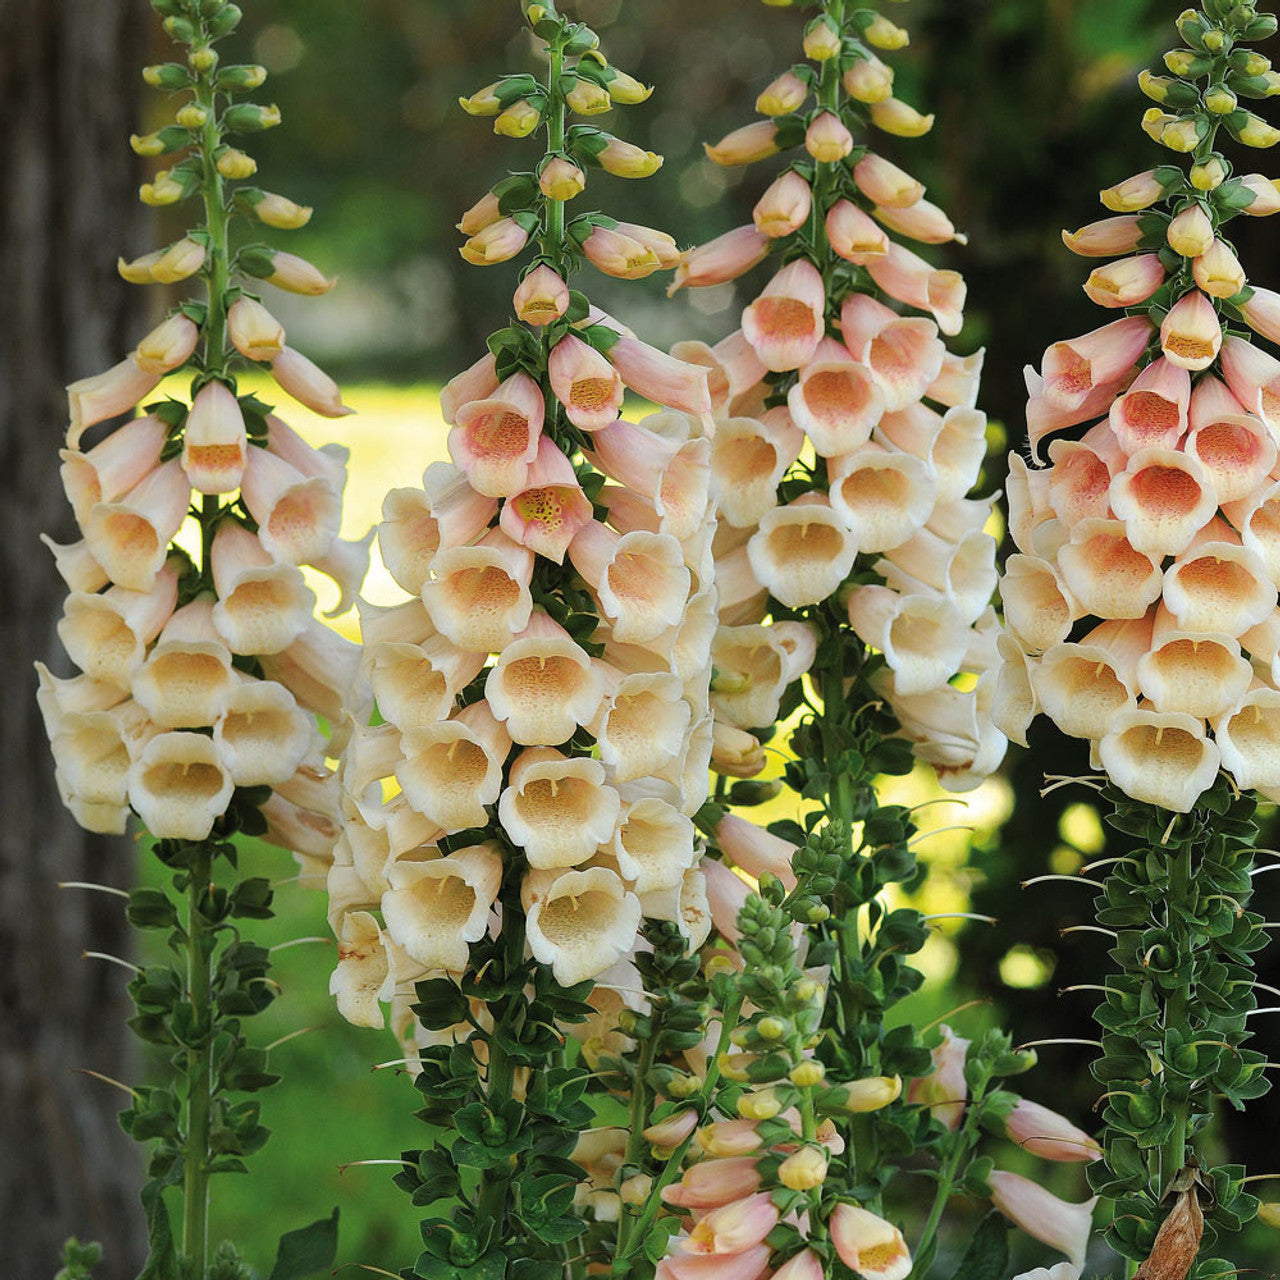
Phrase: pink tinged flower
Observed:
(320, 669)
(179, 785)
(1266, 195)
(782, 96)
(671, 1132)
(106, 395)
(559, 179)
(754, 850)
(784, 207)
(1201, 674)
(869, 1245)
(1235, 448)
(187, 677)
(726, 893)
(541, 298)
(853, 234)
(76, 566)
(130, 537)
(297, 275)
(1080, 477)
(657, 376)
(639, 579)
(1057, 1223)
(1047, 1134)
(675, 479)
(557, 808)
(111, 468)
(587, 384)
(802, 552)
(1218, 271)
(805, 1265)
(484, 213)
(498, 242)
(1218, 585)
(837, 401)
(1073, 370)
(546, 514)
(953, 444)
(750, 1264)
(475, 383)
(904, 355)
(720, 260)
(944, 1091)
(1254, 378)
(297, 515)
(168, 346)
(921, 221)
(1262, 313)
(1126, 282)
(308, 384)
(544, 686)
(1044, 417)
(415, 684)
(215, 445)
(752, 142)
(619, 255)
(1107, 238)
(1153, 412)
(659, 243)
(496, 439)
(957, 385)
(907, 277)
(1190, 233)
(883, 496)
(254, 332)
(1106, 573)
(1191, 333)
(749, 457)
(787, 321)
(478, 596)
(883, 183)
(1139, 192)
(712, 1183)
(262, 606)
(1164, 496)
(827, 139)
(733, 1227)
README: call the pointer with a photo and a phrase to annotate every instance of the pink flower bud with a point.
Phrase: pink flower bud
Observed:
(853, 234)
(254, 332)
(1047, 1134)
(1262, 313)
(944, 1091)
(733, 1227)
(787, 321)
(752, 142)
(214, 445)
(711, 1183)
(105, 395)
(561, 179)
(1127, 282)
(308, 384)
(802, 1266)
(827, 139)
(1191, 335)
(297, 275)
(498, 242)
(541, 298)
(1105, 239)
(484, 213)
(619, 255)
(585, 383)
(672, 1131)
(720, 260)
(784, 207)
(884, 183)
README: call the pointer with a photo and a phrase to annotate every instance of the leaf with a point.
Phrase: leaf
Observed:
(988, 1252)
(162, 1260)
(307, 1250)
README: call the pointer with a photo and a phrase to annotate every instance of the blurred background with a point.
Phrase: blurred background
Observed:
(1037, 109)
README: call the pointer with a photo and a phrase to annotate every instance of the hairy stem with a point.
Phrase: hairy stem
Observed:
(195, 1161)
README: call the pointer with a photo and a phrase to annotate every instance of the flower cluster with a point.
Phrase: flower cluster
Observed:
(1141, 606)
(203, 668)
(847, 437)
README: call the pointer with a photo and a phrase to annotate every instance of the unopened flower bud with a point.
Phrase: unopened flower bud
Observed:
(626, 90)
(1133, 194)
(1218, 271)
(880, 33)
(255, 333)
(1208, 175)
(542, 297)
(1266, 195)
(1191, 232)
(276, 211)
(203, 59)
(484, 102)
(235, 165)
(245, 76)
(718, 966)
(167, 346)
(587, 98)
(626, 160)
(635, 1190)
(138, 271)
(822, 40)
(807, 1074)
(827, 139)
(804, 1169)
(192, 116)
(519, 120)
(1185, 135)
(869, 80)
(162, 190)
(180, 260)
(297, 275)
(682, 1085)
(1254, 131)
(782, 96)
(771, 1028)
(561, 179)
(672, 1131)
(1220, 100)
(736, 1066)
(762, 1104)
(250, 117)
(872, 1094)
(896, 117)
(746, 145)
(1270, 1213)
(1184, 62)
(498, 242)
(167, 75)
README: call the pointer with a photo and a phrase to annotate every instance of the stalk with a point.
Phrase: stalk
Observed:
(195, 1157)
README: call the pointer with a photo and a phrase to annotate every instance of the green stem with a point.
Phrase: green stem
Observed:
(553, 236)
(638, 1113)
(828, 95)
(195, 1160)
(1173, 1153)
(218, 252)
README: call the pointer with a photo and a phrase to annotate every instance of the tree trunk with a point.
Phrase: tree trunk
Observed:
(68, 77)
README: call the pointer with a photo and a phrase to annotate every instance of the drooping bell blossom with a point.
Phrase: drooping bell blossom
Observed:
(868, 80)
(639, 579)
(559, 179)
(721, 260)
(746, 145)
(853, 234)
(626, 160)
(1254, 378)
(1126, 282)
(308, 384)
(557, 808)
(712, 1183)
(869, 1245)
(254, 332)
(179, 785)
(883, 183)
(498, 242)
(1191, 333)
(1107, 238)
(187, 676)
(836, 402)
(1101, 358)
(495, 440)
(215, 444)
(827, 138)
(747, 1265)
(476, 382)
(549, 509)
(1235, 448)
(1262, 313)
(905, 355)
(909, 278)
(1154, 411)
(297, 275)
(619, 255)
(581, 922)
(541, 298)
(586, 383)
(1048, 1135)
(1218, 272)
(1042, 1215)
(111, 468)
(262, 734)
(786, 322)
(167, 346)
(106, 395)
(129, 537)
(478, 595)
(297, 515)
(671, 1132)
(1162, 758)
(943, 1090)
(802, 551)
(921, 221)
(784, 207)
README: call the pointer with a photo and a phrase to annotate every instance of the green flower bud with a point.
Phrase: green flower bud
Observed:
(167, 75)
(244, 76)
(225, 22)
(249, 117)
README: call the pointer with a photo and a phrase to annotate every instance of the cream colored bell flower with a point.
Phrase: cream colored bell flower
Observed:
(639, 578)
(754, 665)
(1164, 497)
(643, 724)
(76, 566)
(106, 395)
(785, 323)
(415, 684)
(262, 606)
(370, 753)
(1014, 703)
(1160, 757)
(882, 495)
(453, 769)
(1026, 501)
(311, 837)
(262, 734)
(1248, 736)
(654, 845)
(346, 563)
(215, 445)
(581, 923)
(543, 687)
(837, 400)
(1154, 411)
(130, 537)
(923, 637)
(1083, 686)
(1257, 517)
(684, 648)
(91, 758)
(179, 785)
(963, 572)
(1105, 573)
(495, 439)
(953, 443)
(1217, 584)
(742, 598)
(802, 552)
(904, 355)
(59, 698)
(478, 596)
(107, 635)
(297, 515)
(956, 387)
(406, 623)
(1236, 449)
(436, 909)
(1200, 674)
(110, 469)
(869, 1245)
(187, 677)
(600, 1153)
(322, 670)
(909, 278)
(1038, 608)
(557, 808)
(749, 457)
(694, 783)
(362, 980)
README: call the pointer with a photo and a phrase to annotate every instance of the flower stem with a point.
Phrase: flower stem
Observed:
(218, 251)
(195, 1160)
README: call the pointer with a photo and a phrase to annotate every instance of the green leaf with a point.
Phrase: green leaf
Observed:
(988, 1251)
(307, 1250)
(162, 1260)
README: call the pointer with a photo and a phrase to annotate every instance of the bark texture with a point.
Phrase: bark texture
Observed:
(68, 98)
